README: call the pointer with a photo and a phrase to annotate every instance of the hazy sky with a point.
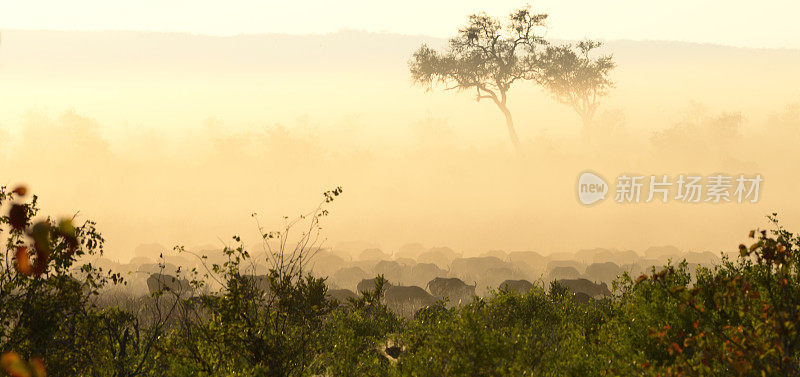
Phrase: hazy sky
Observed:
(183, 138)
(769, 23)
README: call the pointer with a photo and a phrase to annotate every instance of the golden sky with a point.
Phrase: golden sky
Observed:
(770, 23)
(176, 139)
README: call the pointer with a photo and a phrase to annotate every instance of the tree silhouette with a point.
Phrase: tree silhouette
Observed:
(575, 79)
(484, 56)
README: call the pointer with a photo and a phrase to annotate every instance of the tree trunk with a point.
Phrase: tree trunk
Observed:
(587, 116)
(512, 133)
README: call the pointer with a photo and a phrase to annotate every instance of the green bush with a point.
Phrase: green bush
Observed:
(740, 317)
(355, 336)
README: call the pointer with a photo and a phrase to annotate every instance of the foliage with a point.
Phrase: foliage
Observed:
(486, 57)
(738, 318)
(269, 329)
(45, 298)
(574, 78)
(355, 335)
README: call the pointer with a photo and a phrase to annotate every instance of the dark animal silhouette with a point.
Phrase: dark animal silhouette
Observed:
(367, 285)
(406, 300)
(564, 263)
(422, 273)
(410, 250)
(585, 286)
(605, 272)
(373, 254)
(494, 276)
(348, 276)
(565, 272)
(326, 263)
(452, 289)
(167, 283)
(341, 295)
(532, 258)
(440, 256)
(391, 270)
(475, 268)
(519, 286)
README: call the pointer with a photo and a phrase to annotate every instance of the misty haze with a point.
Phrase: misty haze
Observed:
(376, 203)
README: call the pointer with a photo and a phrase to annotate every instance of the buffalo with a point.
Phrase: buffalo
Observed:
(452, 289)
(578, 266)
(563, 272)
(532, 258)
(519, 286)
(704, 258)
(348, 276)
(499, 254)
(410, 250)
(368, 285)
(476, 268)
(391, 270)
(422, 273)
(407, 299)
(161, 282)
(440, 256)
(326, 263)
(373, 254)
(585, 286)
(627, 256)
(662, 253)
(605, 272)
(405, 262)
(341, 295)
(494, 276)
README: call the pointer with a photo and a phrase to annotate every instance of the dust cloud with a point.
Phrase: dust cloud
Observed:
(177, 139)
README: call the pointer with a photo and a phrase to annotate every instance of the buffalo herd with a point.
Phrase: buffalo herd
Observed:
(441, 278)
(404, 300)
(417, 278)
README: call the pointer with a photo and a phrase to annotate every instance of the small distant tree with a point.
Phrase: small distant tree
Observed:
(484, 56)
(574, 78)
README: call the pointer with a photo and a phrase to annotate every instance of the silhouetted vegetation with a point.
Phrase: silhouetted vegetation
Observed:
(489, 57)
(737, 318)
(576, 79)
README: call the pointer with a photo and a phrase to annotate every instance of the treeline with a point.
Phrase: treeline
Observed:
(737, 318)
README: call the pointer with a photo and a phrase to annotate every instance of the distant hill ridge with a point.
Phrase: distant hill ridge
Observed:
(355, 48)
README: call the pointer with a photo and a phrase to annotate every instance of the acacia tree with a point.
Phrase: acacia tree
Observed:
(484, 56)
(574, 78)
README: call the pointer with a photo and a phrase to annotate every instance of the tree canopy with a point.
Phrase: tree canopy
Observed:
(485, 56)
(488, 56)
(574, 78)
